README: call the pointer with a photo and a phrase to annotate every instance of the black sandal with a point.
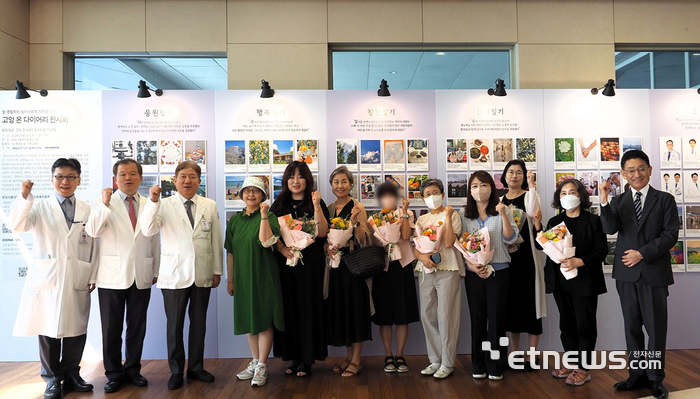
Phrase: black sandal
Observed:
(304, 368)
(401, 362)
(292, 369)
(389, 361)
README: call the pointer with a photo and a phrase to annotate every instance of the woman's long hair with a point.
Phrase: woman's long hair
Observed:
(470, 210)
(285, 196)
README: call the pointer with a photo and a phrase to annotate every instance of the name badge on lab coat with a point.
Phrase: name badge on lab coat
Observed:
(83, 237)
(206, 226)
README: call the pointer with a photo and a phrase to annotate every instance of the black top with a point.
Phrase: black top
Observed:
(297, 209)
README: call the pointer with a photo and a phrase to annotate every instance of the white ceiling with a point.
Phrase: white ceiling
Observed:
(363, 70)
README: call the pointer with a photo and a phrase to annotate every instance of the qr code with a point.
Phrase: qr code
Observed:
(22, 271)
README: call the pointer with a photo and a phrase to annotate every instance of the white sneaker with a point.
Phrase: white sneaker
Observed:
(479, 376)
(495, 377)
(260, 377)
(443, 372)
(248, 372)
(430, 370)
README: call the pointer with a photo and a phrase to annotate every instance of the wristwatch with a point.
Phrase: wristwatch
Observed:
(405, 216)
(356, 225)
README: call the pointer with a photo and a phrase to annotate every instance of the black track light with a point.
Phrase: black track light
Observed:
(608, 89)
(267, 91)
(500, 90)
(383, 89)
(22, 91)
(145, 91)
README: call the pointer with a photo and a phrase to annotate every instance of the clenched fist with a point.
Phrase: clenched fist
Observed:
(316, 199)
(106, 196)
(27, 188)
(531, 182)
(604, 189)
(264, 207)
(355, 213)
(404, 205)
(154, 193)
(501, 208)
(449, 211)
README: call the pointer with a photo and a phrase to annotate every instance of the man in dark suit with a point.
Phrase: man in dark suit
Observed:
(646, 221)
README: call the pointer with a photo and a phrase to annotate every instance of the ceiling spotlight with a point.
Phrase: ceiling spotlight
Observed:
(608, 89)
(383, 89)
(698, 91)
(145, 91)
(267, 91)
(500, 90)
(391, 72)
(22, 91)
(440, 53)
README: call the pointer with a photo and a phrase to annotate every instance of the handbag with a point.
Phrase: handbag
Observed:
(366, 262)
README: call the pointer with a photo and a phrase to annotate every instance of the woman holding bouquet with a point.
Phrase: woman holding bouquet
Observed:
(348, 321)
(526, 296)
(394, 290)
(577, 298)
(303, 341)
(440, 291)
(487, 285)
(253, 276)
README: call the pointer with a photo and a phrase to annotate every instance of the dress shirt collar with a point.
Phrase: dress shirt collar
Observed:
(644, 191)
(183, 199)
(61, 198)
(123, 196)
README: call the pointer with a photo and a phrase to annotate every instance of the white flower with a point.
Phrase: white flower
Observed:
(564, 146)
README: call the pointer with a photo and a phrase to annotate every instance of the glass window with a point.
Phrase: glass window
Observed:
(657, 69)
(418, 70)
(167, 73)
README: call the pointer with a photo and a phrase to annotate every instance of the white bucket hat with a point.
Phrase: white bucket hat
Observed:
(252, 181)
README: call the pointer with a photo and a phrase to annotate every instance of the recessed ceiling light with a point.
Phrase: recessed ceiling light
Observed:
(391, 72)
(440, 53)
(696, 54)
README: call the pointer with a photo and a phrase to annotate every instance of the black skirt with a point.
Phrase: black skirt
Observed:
(522, 312)
(394, 295)
(302, 294)
(348, 318)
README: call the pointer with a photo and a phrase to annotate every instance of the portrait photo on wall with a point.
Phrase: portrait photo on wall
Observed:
(480, 154)
(672, 183)
(417, 154)
(234, 154)
(346, 154)
(394, 155)
(147, 155)
(456, 154)
(502, 152)
(564, 153)
(307, 152)
(587, 153)
(457, 188)
(691, 189)
(610, 153)
(282, 154)
(669, 152)
(691, 152)
(196, 151)
(526, 150)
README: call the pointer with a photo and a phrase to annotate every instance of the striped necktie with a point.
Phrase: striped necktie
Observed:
(638, 205)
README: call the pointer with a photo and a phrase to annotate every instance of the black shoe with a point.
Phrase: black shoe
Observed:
(201, 375)
(634, 382)
(113, 385)
(136, 379)
(658, 389)
(53, 390)
(77, 383)
(175, 381)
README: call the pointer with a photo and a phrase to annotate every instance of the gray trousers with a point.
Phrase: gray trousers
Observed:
(176, 301)
(440, 307)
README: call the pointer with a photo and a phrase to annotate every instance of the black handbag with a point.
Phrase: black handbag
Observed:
(366, 262)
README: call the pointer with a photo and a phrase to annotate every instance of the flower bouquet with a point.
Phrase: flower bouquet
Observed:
(476, 248)
(557, 243)
(297, 234)
(339, 232)
(519, 216)
(428, 239)
(387, 229)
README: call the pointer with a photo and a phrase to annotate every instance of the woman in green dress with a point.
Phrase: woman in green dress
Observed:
(253, 275)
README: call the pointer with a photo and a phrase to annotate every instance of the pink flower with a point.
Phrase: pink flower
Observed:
(297, 227)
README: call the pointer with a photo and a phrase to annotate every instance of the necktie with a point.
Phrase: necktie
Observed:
(68, 211)
(669, 156)
(666, 186)
(132, 211)
(188, 206)
(638, 205)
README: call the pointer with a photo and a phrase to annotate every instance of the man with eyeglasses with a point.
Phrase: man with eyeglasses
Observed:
(55, 302)
(646, 223)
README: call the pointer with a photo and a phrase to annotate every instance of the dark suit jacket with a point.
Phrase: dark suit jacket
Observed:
(591, 247)
(653, 236)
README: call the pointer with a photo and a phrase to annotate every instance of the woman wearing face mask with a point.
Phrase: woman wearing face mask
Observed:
(348, 317)
(394, 290)
(526, 297)
(440, 291)
(487, 293)
(577, 299)
(303, 340)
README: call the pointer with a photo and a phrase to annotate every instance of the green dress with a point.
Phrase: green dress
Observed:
(257, 291)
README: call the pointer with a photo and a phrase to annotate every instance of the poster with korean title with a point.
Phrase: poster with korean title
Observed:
(159, 132)
(263, 135)
(398, 131)
(479, 132)
(675, 126)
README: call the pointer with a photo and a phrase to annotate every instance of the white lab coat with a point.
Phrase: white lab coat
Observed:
(56, 298)
(126, 255)
(188, 255)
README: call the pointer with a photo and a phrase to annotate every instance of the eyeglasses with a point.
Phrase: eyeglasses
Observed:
(252, 191)
(511, 173)
(641, 169)
(69, 178)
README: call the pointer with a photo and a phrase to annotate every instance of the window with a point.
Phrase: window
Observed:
(418, 70)
(657, 69)
(167, 73)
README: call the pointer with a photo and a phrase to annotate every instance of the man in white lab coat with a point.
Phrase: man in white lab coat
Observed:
(128, 267)
(55, 302)
(191, 265)
(670, 154)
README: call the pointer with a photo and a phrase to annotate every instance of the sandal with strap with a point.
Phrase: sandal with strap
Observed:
(341, 368)
(292, 369)
(389, 364)
(401, 365)
(349, 373)
(304, 370)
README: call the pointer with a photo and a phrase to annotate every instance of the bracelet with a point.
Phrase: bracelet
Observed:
(317, 210)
